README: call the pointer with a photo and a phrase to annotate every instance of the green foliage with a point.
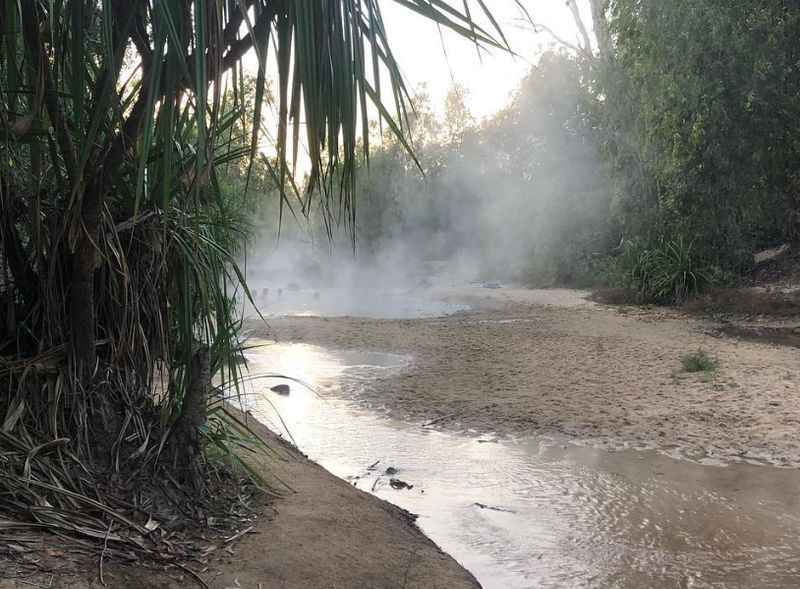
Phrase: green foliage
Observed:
(701, 112)
(695, 110)
(128, 134)
(699, 361)
(669, 271)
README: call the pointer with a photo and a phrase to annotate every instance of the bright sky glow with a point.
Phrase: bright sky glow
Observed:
(491, 79)
(438, 59)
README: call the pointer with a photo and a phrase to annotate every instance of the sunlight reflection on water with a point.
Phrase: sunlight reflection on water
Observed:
(534, 512)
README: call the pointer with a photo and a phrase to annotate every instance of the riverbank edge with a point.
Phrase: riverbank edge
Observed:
(321, 532)
(332, 534)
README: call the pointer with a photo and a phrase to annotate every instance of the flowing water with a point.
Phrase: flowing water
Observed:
(539, 512)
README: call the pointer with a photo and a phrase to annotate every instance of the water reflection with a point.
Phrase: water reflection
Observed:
(536, 513)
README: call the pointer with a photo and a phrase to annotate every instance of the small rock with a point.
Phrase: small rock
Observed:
(398, 484)
(390, 471)
(280, 389)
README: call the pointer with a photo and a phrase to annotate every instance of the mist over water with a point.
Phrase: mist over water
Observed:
(518, 198)
(297, 279)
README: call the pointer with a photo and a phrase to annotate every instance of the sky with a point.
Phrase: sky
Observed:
(491, 79)
(438, 59)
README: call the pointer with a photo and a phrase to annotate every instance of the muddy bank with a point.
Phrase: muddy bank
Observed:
(326, 533)
(525, 362)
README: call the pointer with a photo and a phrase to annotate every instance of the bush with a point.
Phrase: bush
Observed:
(667, 272)
(698, 362)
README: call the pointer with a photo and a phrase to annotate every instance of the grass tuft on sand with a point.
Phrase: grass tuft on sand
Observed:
(699, 361)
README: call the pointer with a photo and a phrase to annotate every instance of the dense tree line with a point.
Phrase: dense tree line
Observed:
(702, 123)
(668, 148)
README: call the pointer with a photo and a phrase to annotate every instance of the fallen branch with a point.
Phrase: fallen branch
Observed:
(238, 535)
(193, 574)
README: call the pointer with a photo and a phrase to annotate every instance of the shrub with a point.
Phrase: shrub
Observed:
(698, 362)
(667, 272)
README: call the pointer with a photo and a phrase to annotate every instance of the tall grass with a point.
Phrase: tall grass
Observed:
(668, 271)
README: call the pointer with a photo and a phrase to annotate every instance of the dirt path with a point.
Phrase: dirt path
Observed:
(326, 534)
(529, 362)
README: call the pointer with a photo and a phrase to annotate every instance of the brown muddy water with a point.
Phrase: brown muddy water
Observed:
(540, 512)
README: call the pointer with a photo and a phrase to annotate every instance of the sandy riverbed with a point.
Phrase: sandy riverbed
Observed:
(525, 362)
(520, 362)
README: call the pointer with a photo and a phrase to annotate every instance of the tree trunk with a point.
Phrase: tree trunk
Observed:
(82, 311)
(187, 447)
(576, 15)
(600, 24)
(82, 306)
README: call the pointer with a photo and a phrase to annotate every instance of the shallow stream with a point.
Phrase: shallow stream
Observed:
(539, 512)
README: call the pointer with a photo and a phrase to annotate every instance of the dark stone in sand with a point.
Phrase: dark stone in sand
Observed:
(391, 470)
(281, 389)
(398, 484)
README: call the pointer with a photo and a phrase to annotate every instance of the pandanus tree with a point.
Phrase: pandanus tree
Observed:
(118, 250)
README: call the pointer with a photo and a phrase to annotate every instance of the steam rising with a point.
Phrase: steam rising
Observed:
(521, 197)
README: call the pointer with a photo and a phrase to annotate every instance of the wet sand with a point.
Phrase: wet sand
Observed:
(527, 362)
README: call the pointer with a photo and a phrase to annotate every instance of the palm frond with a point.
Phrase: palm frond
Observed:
(118, 247)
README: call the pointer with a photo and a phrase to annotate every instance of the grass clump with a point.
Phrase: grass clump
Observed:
(699, 361)
(669, 272)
